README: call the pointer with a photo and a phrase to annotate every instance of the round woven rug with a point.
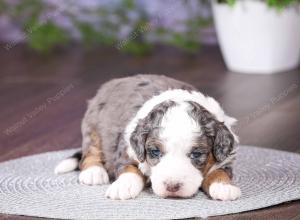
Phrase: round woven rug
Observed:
(29, 187)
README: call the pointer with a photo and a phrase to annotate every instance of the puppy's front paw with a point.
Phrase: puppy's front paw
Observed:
(127, 186)
(224, 191)
(94, 175)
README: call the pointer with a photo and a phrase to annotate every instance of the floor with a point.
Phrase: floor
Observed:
(43, 98)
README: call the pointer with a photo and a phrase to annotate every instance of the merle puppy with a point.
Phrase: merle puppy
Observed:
(154, 129)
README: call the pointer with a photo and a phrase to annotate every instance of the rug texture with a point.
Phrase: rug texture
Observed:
(29, 187)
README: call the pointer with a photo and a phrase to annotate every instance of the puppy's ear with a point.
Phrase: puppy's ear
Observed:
(223, 142)
(223, 139)
(138, 140)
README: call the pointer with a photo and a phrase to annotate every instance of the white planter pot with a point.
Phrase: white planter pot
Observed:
(255, 38)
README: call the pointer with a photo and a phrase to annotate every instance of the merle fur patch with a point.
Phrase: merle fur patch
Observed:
(145, 126)
(223, 140)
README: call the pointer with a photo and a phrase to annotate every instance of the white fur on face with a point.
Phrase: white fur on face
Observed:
(175, 170)
(175, 167)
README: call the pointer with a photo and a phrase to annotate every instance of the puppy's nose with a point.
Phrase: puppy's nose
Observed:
(173, 187)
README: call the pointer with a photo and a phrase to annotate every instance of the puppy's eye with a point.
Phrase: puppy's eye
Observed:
(195, 155)
(154, 152)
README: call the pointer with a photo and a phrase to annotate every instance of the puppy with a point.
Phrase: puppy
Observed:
(154, 129)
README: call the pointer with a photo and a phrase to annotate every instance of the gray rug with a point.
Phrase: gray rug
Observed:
(29, 187)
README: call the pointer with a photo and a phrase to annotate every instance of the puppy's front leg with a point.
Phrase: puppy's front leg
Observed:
(217, 185)
(91, 164)
(128, 185)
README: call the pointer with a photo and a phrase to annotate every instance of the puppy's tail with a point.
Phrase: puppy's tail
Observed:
(69, 164)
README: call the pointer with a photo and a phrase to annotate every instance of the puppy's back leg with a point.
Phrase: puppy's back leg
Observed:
(69, 164)
(91, 164)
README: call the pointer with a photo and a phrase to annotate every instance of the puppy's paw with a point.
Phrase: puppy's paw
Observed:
(127, 186)
(94, 175)
(224, 191)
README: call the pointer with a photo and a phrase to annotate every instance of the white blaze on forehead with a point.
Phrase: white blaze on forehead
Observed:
(178, 129)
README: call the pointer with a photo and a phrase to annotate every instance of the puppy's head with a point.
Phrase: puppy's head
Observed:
(177, 142)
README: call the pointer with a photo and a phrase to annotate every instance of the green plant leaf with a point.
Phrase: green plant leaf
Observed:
(3, 6)
(185, 42)
(45, 36)
(279, 4)
(231, 2)
(136, 48)
(29, 8)
(90, 36)
(129, 4)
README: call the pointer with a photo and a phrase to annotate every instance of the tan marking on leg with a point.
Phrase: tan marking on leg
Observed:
(218, 175)
(132, 169)
(209, 163)
(94, 155)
